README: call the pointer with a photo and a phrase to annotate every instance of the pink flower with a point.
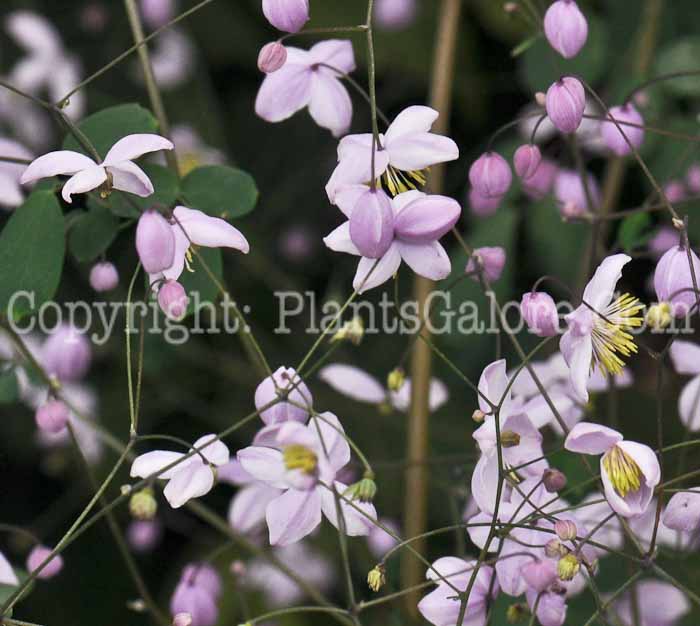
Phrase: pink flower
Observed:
(372, 224)
(598, 332)
(540, 313)
(665, 238)
(571, 193)
(566, 102)
(490, 175)
(7, 574)
(542, 181)
(310, 79)
(11, 194)
(692, 178)
(630, 471)
(36, 558)
(286, 15)
(395, 14)
(614, 139)
(441, 606)
(404, 151)
(685, 356)
(683, 511)
(191, 478)
(66, 353)
(481, 206)
(173, 300)
(660, 604)
(157, 13)
(303, 462)
(104, 277)
(551, 608)
(566, 28)
(674, 190)
(539, 574)
(144, 535)
(419, 221)
(379, 541)
(489, 260)
(197, 594)
(52, 416)
(116, 171)
(673, 280)
(172, 58)
(283, 380)
(527, 159)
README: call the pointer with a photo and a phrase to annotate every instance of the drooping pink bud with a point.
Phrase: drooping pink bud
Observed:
(683, 511)
(542, 181)
(287, 15)
(692, 178)
(379, 541)
(527, 160)
(52, 416)
(614, 139)
(372, 224)
(395, 14)
(272, 57)
(155, 242)
(674, 190)
(195, 601)
(566, 28)
(566, 529)
(540, 313)
(481, 206)
(565, 103)
(157, 13)
(489, 260)
(673, 280)
(539, 575)
(66, 354)
(104, 277)
(490, 175)
(553, 480)
(286, 381)
(571, 193)
(173, 300)
(665, 238)
(203, 575)
(37, 556)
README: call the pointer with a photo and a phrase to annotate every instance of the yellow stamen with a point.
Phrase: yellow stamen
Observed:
(189, 259)
(301, 458)
(610, 337)
(394, 181)
(623, 471)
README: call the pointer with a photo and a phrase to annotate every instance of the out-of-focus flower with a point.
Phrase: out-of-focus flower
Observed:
(598, 333)
(287, 15)
(36, 558)
(419, 222)
(674, 190)
(551, 607)
(489, 260)
(197, 594)
(673, 280)
(566, 28)
(7, 574)
(566, 101)
(311, 78)
(66, 353)
(52, 416)
(442, 608)
(192, 151)
(692, 178)
(683, 511)
(685, 357)
(157, 13)
(190, 478)
(481, 206)
(395, 14)
(379, 541)
(104, 277)
(297, 243)
(144, 535)
(614, 139)
(490, 175)
(659, 603)
(11, 193)
(172, 59)
(117, 171)
(404, 152)
(571, 194)
(629, 470)
(665, 238)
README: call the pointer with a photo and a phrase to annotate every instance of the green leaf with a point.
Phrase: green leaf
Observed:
(198, 284)
(8, 387)
(220, 190)
(106, 127)
(92, 234)
(634, 231)
(32, 247)
(166, 186)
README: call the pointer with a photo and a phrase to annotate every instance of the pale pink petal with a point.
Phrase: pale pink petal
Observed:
(247, 509)
(337, 53)
(510, 562)
(84, 181)
(192, 481)
(330, 433)
(438, 394)
(685, 356)
(347, 197)
(339, 240)
(284, 92)
(182, 244)
(355, 164)
(689, 405)
(207, 231)
(368, 276)
(133, 146)
(55, 163)
(292, 516)
(600, 289)
(426, 219)
(493, 386)
(588, 438)
(330, 105)
(485, 481)
(426, 259)
(353, 382)
(448, 567)
(216, 451)
(357, 522)
(129, 177)
(7, 574)
(10, 192)
(417, 152)
(412, 120)
(264, 464)
(34, 32)
(151, 463)
(578, 352)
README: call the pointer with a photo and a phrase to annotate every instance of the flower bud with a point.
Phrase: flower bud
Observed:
(673, 280)
(554, 549)
(490, 175)
(104, 277)
(286, 380)
(372, 224)
(396, 379)
(52, 416)
(516, 612)
(553, 480)
(182, 619)
(659, 316)
(155, 242)
(37, 556)
(526, 160)
(143, 505)
(196, 601)
(272, 57)
(566, 529)
(66, 354)
(287, 15)
(565, 103)
(539, 575)
(395, 14)
(683, 512)
(157, 13)
(489, 260)
(541, 183)
(614, 139)
(540, 313)
(364, 490)
(478, 416)
(482, 206)
(568, 566)
(173, 300)
(376, 579)
(510, 439)
(566, 28)
(674, 191)
(352, 331)
(571, 193)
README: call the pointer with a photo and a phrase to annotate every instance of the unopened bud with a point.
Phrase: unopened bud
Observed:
(173, 300)
(396, 379)
(659, 316)
(143, 505)
(553, 480)
(376, 579)
(510, 439)
(52, 416)
(553, 549)
(517, 613)
(566, 530)
(182, 619)
(272, 57)
(364, 490)
(478, 416)
(351, 331)
(568, 566)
